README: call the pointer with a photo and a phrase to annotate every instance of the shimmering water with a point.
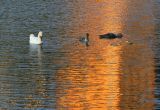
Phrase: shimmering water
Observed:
(64, 74)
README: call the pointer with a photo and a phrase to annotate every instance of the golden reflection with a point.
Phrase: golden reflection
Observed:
(91, 79)
(94, 85)
(98, 77)
(113, 16)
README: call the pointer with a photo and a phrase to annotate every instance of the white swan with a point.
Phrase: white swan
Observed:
(35, 40)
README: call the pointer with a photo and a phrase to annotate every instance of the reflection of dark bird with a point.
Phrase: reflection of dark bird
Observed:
(110, 36)
(85, 39)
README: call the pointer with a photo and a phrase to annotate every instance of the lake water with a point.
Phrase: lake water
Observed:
(64, 74)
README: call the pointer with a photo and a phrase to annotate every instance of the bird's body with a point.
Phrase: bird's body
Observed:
(110, 36)
(35, 40)
(85, 39)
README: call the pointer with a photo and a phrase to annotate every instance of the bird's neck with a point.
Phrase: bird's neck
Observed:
(39, 38)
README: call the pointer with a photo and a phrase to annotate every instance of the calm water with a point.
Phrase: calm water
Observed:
(64, 74)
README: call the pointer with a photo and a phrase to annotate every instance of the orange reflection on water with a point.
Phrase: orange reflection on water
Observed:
(95, 84)
(95, 76)
(113, 16)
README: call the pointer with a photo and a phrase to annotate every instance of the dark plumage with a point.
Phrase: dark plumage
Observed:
(110, 36)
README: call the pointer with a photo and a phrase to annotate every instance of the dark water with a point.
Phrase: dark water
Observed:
(64, 74)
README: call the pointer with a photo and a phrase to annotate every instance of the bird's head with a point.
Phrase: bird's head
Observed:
(40, 34)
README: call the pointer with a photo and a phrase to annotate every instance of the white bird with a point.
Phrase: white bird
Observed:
(35, 40)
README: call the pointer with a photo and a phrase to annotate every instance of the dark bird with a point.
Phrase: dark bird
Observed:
(110, 36)
(85, 39)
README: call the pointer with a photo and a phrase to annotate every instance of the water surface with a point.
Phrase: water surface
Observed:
(64, 74)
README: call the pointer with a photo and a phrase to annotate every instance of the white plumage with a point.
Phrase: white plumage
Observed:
(35, 40)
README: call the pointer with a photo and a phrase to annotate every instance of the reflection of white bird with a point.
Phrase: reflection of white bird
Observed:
(36, 53)
(35, 40)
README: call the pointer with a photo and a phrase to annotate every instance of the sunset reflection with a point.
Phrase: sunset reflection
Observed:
(95, 85)
(98, 77)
